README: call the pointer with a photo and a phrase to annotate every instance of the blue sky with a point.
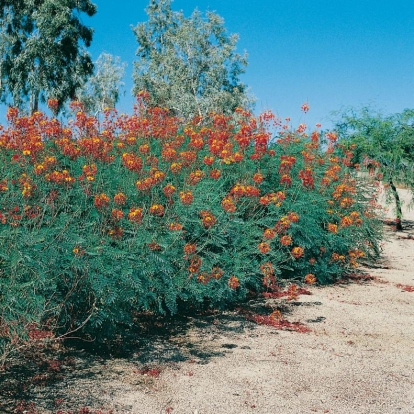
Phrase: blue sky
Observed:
(332, 54)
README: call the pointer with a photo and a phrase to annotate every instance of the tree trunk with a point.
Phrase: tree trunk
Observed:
(398, 210)
(34, 103)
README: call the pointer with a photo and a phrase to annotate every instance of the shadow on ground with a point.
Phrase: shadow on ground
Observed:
(46, 374)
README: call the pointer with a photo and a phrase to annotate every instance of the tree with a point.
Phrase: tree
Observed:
(188, 65)
(383, 143)
(42, 56)
(103, 88)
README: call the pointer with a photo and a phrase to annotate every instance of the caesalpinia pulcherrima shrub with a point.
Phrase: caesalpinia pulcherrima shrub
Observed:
(142, 212)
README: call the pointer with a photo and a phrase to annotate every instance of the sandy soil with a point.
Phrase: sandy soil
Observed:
(358, 357)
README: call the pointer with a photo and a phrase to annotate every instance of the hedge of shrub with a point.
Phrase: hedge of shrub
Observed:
(100, 219)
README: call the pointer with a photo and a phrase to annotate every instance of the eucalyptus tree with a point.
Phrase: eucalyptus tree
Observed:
(385, 143)
(189, 65)
(105, 86)
(43, 50)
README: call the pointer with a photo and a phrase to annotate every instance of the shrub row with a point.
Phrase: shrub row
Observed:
(102, 218)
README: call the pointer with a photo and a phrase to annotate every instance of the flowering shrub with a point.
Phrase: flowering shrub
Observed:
(143, 212)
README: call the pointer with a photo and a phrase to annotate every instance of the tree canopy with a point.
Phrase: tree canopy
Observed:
(103, 88)
(188, 65)
(384, 143)
(42, 56)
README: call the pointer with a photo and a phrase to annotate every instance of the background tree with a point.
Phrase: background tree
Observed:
(41, 50)
(188, 65)
(104, 87)
(385, 144)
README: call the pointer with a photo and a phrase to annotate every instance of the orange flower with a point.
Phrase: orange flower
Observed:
(186, 197)
(157, 175)
(267, 268)
(285, 240)
(252, 191)
(238, 156)
(310, 279)
(78, 251)
(346, 202)
(228, 205)
(39, 168)
(338, 257)
(195, 177)
(135, 215)
(293, 217)
(190, 248)
(131, 161)
(116, 232)
(208, 219)
(176, 167)
(168, 190)
(120, 198)
(297, 252)
(208, 160)
(264, 247)
(346, 221)
(145, 184)
(154, 246)
(117, 214)
(157, 210)
(101, 200)
(3, 185)
(195, 264)
(286, 179)
(233, 282)
(276, 315)
(175, 226)
(332, 228)
(188, 157)
(238, 190)
(257, 178)
(215, 174)
(144, 149)
(168, 154)
(269, 234)
(203, 278)
(216, 273)
(269, 279)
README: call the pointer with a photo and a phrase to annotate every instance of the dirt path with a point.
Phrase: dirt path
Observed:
(358, 357)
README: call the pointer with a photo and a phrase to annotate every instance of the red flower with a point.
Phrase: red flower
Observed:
(310, 279)
(186, 197)
(233, 282)
(101, 200)
(190, 248)
(285, 240)
(269, 234)
(175, 226)
(297, 252)
(120, 198)
(168, 190)
(135, 215)
(157, 210)
(216, 273)
(228, 205)
(215, 174)
(195, 264)
(264, 247)
(117, 214)
(208, 219)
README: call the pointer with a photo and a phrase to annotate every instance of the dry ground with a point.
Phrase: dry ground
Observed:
(358, 357)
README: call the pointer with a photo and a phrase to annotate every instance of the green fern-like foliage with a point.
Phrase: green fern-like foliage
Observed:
(143, 212)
